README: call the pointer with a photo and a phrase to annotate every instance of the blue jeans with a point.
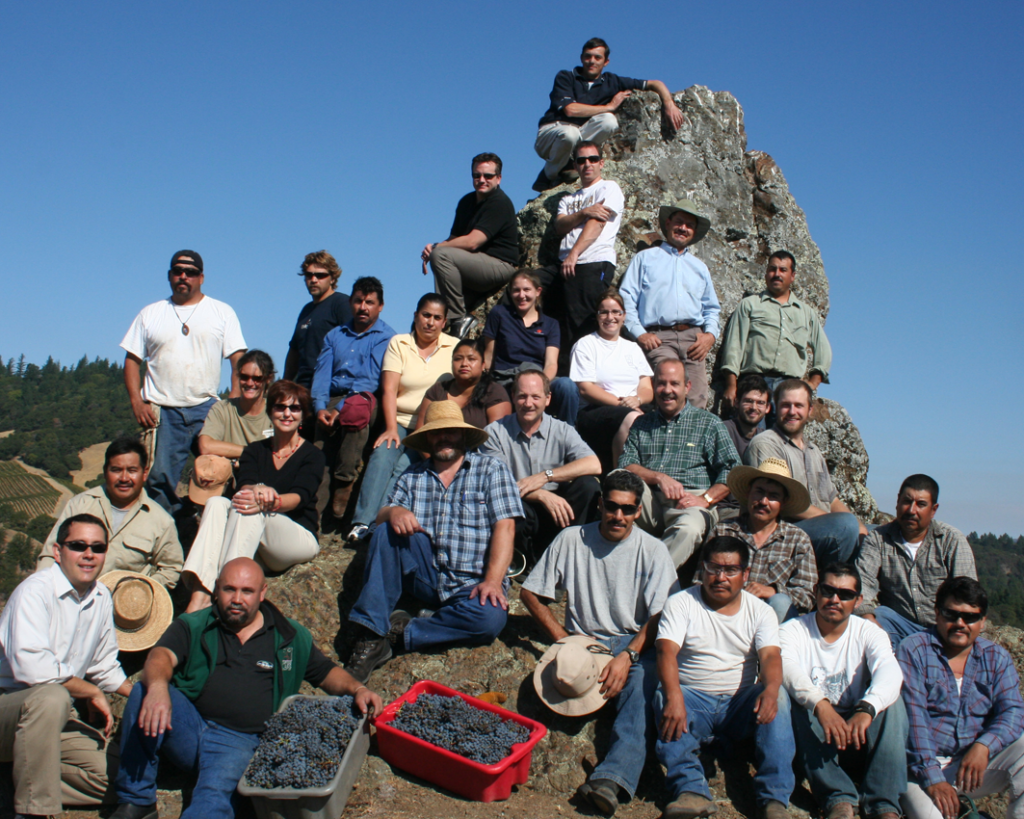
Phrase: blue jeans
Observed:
(397, 564)
(883, 762)
(835, 537)
(218, 754)
(178, 431)
(385, 466)
(565, 400)
(896, 625)
(782, 605)
(633, 729)
(730, 718)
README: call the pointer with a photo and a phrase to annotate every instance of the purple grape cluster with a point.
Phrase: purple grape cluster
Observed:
(303, 745)
(455, 725)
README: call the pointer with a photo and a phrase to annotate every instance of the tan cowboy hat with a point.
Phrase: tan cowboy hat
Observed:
(566, 676)
(444, 415)
(775, 469)
(142, 609)
(210, 476)
(686, 206)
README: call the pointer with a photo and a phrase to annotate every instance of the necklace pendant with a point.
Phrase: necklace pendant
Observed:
(184, 329)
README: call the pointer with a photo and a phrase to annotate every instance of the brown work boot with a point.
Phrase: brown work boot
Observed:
(841, 810)
(339, 501)
(774, 810)
(690, 806)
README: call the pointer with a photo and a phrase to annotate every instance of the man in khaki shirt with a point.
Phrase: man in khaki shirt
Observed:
(143, 537)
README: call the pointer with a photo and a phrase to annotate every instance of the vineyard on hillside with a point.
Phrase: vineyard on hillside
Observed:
(24, 492)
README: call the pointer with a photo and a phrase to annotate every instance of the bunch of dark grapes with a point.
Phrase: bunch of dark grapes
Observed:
(455, 725)
(303, 745)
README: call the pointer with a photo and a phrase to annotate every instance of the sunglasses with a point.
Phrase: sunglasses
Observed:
(952, 615)
(714, 569)
(828, 592)
(626, 508)
(294, 409)
(255, 379)
(81, 546)
(191, 272)
(583, 160)
(487, 176)
(316, 276)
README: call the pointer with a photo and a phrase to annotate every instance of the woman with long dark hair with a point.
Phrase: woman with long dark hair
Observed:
(469, 385)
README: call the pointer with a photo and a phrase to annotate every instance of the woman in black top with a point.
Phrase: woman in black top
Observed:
(470, 386)
(274, 510)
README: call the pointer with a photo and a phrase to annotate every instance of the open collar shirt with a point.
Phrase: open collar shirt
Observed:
(349, 362)
(946, 721)
(664, 286)
(459, 519)
(553, 445)
(49, 634)
(806, 464)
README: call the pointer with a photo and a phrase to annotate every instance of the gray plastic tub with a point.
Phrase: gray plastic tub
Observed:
(327, 802)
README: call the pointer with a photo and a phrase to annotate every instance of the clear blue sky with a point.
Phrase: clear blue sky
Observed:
(257, 132)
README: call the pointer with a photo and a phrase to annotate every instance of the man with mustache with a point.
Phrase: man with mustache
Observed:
(348, 373)
(847, 714)
(966, 715)
(903, 562)
(769, 333)
(208, 688)
(445, 537)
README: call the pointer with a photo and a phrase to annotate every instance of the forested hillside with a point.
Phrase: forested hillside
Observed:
(1000, 561)
(56, 411)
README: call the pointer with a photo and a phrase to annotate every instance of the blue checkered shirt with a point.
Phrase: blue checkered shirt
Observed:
(944, 722)
(459, 520)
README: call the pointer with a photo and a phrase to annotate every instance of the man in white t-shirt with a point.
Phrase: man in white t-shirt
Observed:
(848, 716)
(587, 222)
(616, 578)
(711, 642)
(182, 339)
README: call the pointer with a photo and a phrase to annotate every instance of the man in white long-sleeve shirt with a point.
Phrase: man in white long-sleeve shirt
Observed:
(847, 713)
(58, 644)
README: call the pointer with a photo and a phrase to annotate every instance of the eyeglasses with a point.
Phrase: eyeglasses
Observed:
(583, 160)
(610, 314)
(294, 409)
(828, 592)
(714, 569)
(191, 272)
(255, 379)
(310, 275)
(952, 615)
(626, 508)
(487, 176)
(81, 546)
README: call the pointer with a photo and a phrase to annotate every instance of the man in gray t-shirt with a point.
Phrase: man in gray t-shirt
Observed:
(616, 578)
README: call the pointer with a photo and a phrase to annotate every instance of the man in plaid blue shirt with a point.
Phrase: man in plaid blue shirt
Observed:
(445, 537)
(965, 710)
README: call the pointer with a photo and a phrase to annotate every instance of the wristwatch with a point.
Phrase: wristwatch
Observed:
(549, 474)
(711, 501)
(634, 656)
(864, 707)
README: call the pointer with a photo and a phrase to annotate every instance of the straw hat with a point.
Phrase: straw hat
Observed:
(775, 469)
(210, 474)
(686, 206)
(142, 609)
(444, 415)
(566, 676)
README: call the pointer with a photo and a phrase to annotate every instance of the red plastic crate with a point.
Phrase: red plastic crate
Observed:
(482, 783)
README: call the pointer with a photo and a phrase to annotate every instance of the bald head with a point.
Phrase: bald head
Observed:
(239, 591)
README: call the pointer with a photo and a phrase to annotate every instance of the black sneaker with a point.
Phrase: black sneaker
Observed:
(368, 654)
(544, 182)
(126, 811)
(461, 327)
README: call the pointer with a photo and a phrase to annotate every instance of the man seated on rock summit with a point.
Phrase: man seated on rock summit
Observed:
(482, 251)
(583, 105)
(553, 468)
(445, 537)
(208, 688)
(904, 562)
(753, 400)
(143, 536)
(616, 578)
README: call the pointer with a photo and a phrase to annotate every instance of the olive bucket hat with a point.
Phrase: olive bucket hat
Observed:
(686, 206)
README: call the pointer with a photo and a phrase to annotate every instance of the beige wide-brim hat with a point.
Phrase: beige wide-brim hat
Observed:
(774, 469)
(210, 474)
(444, 415)
(566, 676)
(142, 609)
(686, 206)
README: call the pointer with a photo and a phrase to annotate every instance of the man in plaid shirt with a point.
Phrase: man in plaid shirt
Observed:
(683, 455)
(445, 537)
(965, 710)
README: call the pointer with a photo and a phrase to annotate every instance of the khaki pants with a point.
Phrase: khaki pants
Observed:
(557, 140)
(674, 345)
(58, 760)
(681, 530)
(457, 270)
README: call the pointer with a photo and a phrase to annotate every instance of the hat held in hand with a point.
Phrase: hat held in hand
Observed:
(142, 609)
(210, 476)
(566, 677)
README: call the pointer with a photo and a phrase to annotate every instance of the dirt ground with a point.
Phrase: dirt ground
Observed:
(92, 464)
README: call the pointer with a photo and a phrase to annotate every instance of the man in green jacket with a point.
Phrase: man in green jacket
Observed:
(221, 672)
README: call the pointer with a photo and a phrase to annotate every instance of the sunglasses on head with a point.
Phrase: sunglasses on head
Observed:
(952, 615)
(480, 175)
(626, 508)
(81, 546)
(583, 160)
(828, 592)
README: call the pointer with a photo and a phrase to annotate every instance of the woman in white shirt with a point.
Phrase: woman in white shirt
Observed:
(614, 380)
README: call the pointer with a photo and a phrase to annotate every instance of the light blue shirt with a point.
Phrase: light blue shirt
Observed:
(349, 362)
(666, 286)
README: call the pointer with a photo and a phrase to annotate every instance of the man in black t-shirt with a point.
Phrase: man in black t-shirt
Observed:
(482, 251)
(583, 106)
(222, 672)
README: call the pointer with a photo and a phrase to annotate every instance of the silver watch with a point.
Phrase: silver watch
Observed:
(549, 474)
